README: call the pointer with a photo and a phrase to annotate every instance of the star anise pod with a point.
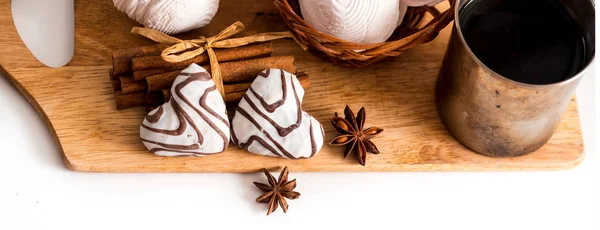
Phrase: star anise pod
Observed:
(276, 191)
(353, 136)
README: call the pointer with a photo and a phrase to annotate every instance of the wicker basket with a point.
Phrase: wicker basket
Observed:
(408, 35)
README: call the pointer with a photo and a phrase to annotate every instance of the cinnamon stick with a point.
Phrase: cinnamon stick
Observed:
(128, 85)
(143, 74)
(116, 84)
(161, 81)
(237, 87)
(246, 70)
(223, 55)
(166, 94)
(231, 72)
(137, 99)
(234, 97)
(151, 107)
(112, 75)
(122, 57)
(235, 92)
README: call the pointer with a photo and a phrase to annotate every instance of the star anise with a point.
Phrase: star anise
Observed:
(353, 136)
(276, 191)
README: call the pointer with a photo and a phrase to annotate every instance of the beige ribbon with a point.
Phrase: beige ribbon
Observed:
(182, 50)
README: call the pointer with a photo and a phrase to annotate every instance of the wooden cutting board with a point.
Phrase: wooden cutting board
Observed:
(77, 103)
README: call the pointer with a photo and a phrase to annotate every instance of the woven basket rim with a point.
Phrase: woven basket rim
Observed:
(340, 50)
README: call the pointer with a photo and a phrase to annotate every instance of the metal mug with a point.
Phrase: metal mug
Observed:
(494, 115)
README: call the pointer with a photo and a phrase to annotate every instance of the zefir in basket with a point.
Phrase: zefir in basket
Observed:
(360, 33)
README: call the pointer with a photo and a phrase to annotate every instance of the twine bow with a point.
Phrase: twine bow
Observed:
(182, 50)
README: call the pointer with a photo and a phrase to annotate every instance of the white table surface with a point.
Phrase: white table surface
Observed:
(38, 192)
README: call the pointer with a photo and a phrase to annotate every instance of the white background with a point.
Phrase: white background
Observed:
(38, 192)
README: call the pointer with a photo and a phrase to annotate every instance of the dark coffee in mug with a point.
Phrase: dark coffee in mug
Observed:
(529, 41)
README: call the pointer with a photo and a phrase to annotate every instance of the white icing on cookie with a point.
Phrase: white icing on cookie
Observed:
(193, 122)
(269, 119)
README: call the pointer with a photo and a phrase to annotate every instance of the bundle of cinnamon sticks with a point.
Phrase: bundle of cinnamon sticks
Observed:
(140, 77)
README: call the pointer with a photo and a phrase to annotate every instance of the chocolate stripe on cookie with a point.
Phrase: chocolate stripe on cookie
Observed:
(154, 137)
(207, 108)
(272, 107)
(155, 150)
(262, 142)
(313, 144)
(178, 131)
(189, 119)
(234, 138)
(247, 116)
(281, 130)
(178, 88)
(173, 146)
(202, 76)
(259, 122)
(153, 118)
(182, 116)
(265, 74)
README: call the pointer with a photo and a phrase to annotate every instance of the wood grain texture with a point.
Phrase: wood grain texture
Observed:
(77, 103)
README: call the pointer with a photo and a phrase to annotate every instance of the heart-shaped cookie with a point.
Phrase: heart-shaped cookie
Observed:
(193, 122)
(269, 119)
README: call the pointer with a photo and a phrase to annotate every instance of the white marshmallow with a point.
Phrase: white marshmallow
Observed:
(358, 21)
(170, 16)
